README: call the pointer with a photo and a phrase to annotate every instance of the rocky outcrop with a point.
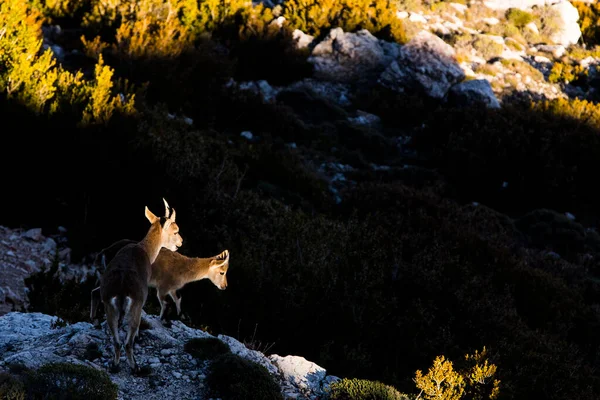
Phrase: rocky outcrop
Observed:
(569, 31)
(22, 252)
(426, 64)
(25, 252)
(34, 339)
(347, 57)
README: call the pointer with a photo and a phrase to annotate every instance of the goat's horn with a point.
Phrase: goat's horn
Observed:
(166, 208)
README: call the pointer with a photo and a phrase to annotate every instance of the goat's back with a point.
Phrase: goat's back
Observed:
(127, 274)
(170, 269)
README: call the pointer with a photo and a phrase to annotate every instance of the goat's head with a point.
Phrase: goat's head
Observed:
(217, 270)
(169, 231)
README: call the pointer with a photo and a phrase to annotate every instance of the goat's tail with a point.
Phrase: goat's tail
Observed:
(122, 306)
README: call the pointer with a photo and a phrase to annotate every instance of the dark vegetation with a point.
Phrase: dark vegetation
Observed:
(232, 377)
(206, 348)
(405, 268)
(57, 381)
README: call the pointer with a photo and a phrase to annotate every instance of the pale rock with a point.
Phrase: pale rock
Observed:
(247, 134)
(461, 8)
(425, 64)
(533, 28)
(415, 17)
(348, 57)
(34, 234)
(471, 93)
(491, 21)
(570, 31)
(557, 51)
(302, 39)
(541, 59)
(301, 373)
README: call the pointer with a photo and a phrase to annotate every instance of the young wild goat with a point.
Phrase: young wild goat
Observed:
(170, 272)
(124, 285)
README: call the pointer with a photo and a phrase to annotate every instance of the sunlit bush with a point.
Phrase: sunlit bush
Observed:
(34, 79)
(316, 17)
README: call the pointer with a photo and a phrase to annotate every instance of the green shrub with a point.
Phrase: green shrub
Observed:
(206, 348)
(518, 17)
(362, 389)
(70, 381)
(232, 377)
(11, 388)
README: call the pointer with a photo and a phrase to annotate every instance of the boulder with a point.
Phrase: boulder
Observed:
(473, 93)
(426, 64)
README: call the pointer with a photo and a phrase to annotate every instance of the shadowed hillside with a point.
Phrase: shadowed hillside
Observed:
(371, 248)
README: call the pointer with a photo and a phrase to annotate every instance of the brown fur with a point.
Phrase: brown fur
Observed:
(171, 271)
(124, 285)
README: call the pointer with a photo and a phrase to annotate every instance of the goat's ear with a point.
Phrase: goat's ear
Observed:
(172, 217)
(151, 217)
(221, 259)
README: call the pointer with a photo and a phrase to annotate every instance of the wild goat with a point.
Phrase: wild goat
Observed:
(170, 272)
(124, 285)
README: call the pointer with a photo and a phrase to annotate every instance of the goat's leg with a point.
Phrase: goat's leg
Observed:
(112, 319)
(177, 301)
(162, 299)
(95, 295)
(133, 322)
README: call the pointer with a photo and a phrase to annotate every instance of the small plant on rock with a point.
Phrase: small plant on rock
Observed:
(206, 348)
(362, 389)
(518, 17)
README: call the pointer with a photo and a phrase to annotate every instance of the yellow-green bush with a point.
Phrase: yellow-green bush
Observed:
(210, 15)
(580, 111)
(589, 21)
(316, 17)
(518, 17)
(24, 74)
(478, 374)
(59, 8)
(148, 28)
(362, 389)
(37, 82)
(441, 382)
(566, 73)
(102, 103)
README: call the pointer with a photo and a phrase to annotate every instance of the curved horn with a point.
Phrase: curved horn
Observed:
(166, 208)
(172, 217)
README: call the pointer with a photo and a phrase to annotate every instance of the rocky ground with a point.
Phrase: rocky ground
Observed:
(33, 339)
